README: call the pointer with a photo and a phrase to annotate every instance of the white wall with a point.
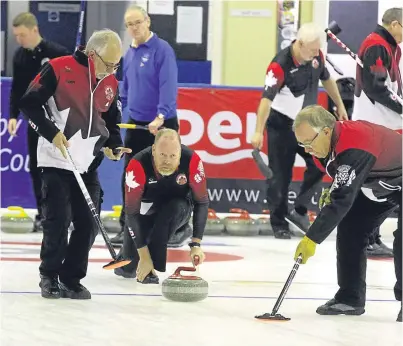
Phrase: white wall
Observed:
(383, 5)
(14, 8)
(215, 40)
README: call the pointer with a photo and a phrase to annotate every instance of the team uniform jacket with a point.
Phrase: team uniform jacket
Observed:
(146, 190)
(373, 101)
(86, 111)
(292, 86)
(364, 156)
(26, 65)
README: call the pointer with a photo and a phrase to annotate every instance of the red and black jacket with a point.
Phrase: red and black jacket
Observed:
(86, 110)
(364, 157)
(380, 56)
(145, 185)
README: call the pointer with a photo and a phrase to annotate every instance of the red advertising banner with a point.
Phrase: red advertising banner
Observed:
(219, 124)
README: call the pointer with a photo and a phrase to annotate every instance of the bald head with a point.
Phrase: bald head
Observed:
(167, 151)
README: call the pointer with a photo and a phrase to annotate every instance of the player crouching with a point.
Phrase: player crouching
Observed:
(165, 183)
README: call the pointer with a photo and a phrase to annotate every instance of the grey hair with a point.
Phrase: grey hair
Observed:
(316, 116)
(138, 8)
(391, 15)
(101, 39)
(310, 32)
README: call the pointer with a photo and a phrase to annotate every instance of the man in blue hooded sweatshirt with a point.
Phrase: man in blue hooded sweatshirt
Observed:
(148, 93)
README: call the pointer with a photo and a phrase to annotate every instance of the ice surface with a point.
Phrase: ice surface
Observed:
(123, 312)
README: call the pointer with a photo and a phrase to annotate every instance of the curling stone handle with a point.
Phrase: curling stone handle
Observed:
(178, 271)
(21, 210)
(237, 210)
(117, 208)
(212, 214)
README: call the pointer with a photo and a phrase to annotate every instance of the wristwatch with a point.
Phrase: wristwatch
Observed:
(193, 244)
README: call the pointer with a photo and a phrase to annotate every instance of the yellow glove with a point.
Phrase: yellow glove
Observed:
(324, 198)
(306, 248)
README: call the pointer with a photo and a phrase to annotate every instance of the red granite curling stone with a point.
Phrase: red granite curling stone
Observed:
(185, 288)
(241, 225)
(214, 226)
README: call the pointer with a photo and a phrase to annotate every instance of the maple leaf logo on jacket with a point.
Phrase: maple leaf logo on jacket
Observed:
(379, 68)
(130, 181)
(270, 80)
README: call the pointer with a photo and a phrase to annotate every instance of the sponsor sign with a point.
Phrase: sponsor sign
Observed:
(216, 122)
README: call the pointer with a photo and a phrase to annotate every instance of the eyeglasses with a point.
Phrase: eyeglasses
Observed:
(309, 145)
(109, 66)
(135, 24)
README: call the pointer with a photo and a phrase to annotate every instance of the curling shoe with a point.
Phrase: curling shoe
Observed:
(77, 291)
(399, 317)
(124, 273)
(379, 250)
(282, 234)
(150, 279)
(49, 287)
(333, 307)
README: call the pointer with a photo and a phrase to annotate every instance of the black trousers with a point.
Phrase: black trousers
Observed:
(157, 229)
(352, 241)
(34, 171)
(63, 203)
(374, 236)
(137, 140)
(283, 147)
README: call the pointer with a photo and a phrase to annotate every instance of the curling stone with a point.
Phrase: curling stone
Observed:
(264, 224)
(111, 220)
(16, 221)
(242, 225)
(184, 288)
(214, 225)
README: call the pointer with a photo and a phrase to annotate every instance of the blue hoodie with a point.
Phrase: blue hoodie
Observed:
(150, 81)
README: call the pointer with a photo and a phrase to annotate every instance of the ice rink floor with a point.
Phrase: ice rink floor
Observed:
(245, 277)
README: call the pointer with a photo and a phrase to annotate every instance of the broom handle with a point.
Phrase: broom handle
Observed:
(287, 285)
